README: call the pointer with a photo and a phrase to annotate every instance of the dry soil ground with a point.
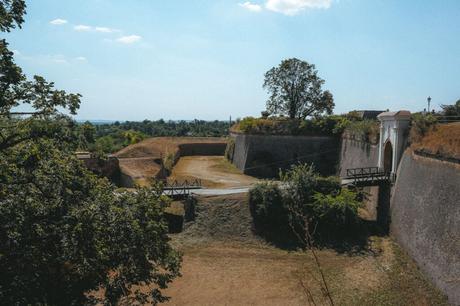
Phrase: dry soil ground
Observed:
(214, 171)
(226, 264)
(142, 161)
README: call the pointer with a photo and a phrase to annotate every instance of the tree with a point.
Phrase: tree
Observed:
(64, 232)
(451, 110)
(296, 90)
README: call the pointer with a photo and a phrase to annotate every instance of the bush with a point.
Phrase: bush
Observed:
(280, 213)
(267, 209)
(335, 214)
(364, 130)
(302, 182)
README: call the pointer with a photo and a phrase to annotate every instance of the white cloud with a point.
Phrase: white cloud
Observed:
(58, 59)
(293, 7)
(81, 59)
(82, 28)
(58, 21)
(251, 6)
(129, 39)
(104, 30)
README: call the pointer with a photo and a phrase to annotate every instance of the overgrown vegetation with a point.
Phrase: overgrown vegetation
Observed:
(279, 211)
(364, 130)
(169, 159)
(437, 134)
(327, 125)
(451, 110)
(420, 125)
(63, 231)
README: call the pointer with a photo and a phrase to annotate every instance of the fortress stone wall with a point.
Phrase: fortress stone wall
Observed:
(425, 218)
(356, 154)
(424, 209)
(264, 156)
(204, 149)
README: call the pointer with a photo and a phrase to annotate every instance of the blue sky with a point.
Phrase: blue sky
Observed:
(177, 59)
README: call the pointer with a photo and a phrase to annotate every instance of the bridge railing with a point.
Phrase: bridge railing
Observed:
(366, 171)
(180, 189)
(369, 175)
(188, 184)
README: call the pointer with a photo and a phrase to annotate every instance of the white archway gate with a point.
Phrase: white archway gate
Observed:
(393, 132)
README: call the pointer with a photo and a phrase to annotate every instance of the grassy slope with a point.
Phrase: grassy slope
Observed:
(442, 140)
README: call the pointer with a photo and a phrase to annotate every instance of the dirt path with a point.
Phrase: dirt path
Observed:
(214, 171)
(237, 275)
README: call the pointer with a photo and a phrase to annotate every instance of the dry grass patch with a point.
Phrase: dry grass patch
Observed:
(442, 140)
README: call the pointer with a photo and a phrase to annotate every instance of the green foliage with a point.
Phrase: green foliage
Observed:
(269, 214)
(296, 90)
(335, 212)
(11, 14)
(109, 143)
(63, 231)
(364, 130)
(327, 125)
(112, 137)
(280, 213)
(452, 110)
(133, 137)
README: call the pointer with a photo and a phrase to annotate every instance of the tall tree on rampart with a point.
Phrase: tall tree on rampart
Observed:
(296, 90)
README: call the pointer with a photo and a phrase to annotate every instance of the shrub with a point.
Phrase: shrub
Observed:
(281, 212)
(328, 185)
(267, 209)
(335, 213)
(302, 182)
(364, 130)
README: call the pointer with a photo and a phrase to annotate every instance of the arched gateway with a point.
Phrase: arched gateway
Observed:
(393, 134)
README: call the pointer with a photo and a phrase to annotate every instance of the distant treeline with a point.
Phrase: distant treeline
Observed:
(111, 137)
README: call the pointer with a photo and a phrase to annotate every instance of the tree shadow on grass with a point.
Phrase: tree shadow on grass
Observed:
(351, 242)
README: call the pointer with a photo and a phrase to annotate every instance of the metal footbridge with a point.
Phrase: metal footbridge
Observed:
(176, 189)
(367, 176)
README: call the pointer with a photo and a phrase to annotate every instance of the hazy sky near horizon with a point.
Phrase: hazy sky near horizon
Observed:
(205, 59)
